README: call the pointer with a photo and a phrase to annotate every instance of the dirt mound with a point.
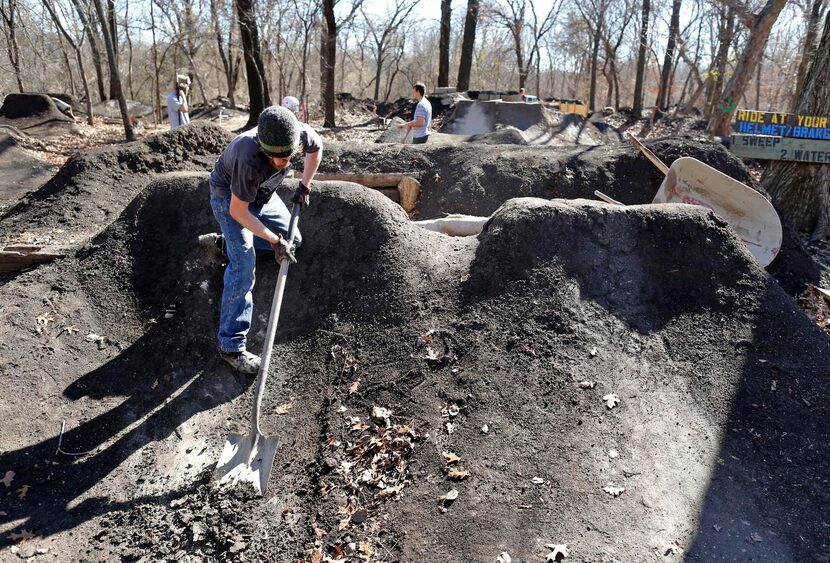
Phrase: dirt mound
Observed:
(477, 179)
(22, 172)
(539, 125)
(477, 346)
(501, 136)
(93, 187)
(36, 115)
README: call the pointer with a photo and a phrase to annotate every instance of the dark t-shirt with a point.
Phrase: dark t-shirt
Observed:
(243, 169)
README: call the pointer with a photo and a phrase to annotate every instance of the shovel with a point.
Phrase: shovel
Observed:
(249, 458)
(748, 212)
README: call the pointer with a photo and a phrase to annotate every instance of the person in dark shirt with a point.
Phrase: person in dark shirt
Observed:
(252, 219)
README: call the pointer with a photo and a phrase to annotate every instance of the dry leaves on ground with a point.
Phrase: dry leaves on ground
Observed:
(816, 305)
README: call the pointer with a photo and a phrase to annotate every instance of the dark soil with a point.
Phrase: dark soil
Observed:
(22, 172)
(719, 438)
(94, 187)
(35, 115)
(477, 179)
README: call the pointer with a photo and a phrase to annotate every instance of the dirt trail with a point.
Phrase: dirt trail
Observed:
(721, 380)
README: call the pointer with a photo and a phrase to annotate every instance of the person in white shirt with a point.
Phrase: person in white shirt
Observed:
(177, 111)
(422, 120)
(293, 104)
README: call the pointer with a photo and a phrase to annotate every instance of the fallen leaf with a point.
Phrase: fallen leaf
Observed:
(22, 491)
(284, 408)
(613, 490)
(611, 400)
(380, 413)
(504, 557)
(451, 495)
(450, 458)
(353, 387)
(427, 337)
(458, 474)
(431, 354)
(71, 329)
(450, 427)
(485, 429)
(558, 552)
(716, 527)
(594, 351)
(319, 533)
(342, 409)
(613, 454)
(44, 319)
(23, 536)
(587, 384)
(537, 481)
(155, 384)
(316, 555)
(756, 537)
(8, 478)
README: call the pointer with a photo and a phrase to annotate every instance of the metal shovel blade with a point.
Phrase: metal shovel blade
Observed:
(247, 458)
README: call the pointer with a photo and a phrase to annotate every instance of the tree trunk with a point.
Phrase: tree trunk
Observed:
(12, 47)
(93, 47)
(113, 32)
(156, 85)
(467, 46)
(665, 77)
(114, 74)
(641, 62)
(257, 85)
(802, 191)
(378, 71)
(736, 87)
(444, 44)
(328, 60)
(808, 50)
(594, 57)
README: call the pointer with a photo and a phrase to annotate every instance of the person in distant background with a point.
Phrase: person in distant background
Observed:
(422, 120)
(522, 94)
(293, 104)
(177, 111)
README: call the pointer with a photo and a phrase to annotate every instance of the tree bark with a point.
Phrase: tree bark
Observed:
(114, 74)
(665, 77)
(736, 87)
(641, 62)
(444, 44)
(257, 85)
(113, 32)
(594, 58)
(467, 46)
(328, 60)
(802, 191)
(808, 50)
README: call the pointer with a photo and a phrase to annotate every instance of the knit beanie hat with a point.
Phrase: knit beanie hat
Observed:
(278, 132)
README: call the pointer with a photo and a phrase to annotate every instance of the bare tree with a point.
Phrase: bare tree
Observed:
(593, 14)
(383, 32)
(809, 48)
(328, 50)
(444, 44)
(119, 94)
(9, 13)
(258, 93)
(467, 46)
(641, 61)
(665, 76)
(802, 191)
(76, 47)
(760, 25)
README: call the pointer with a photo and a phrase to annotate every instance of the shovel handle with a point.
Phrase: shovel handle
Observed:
(648, 154)
(273, 318)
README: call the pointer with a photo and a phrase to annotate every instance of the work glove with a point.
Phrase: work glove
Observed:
(301, 195)
(284, 250)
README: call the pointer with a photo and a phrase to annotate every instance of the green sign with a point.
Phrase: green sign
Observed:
(768, 147)
(750, 122)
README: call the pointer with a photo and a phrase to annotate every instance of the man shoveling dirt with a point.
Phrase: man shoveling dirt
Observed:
(422, 120)
(252, 219)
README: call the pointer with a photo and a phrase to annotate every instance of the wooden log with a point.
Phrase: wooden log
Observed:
(368, 180)
(13, 261)
(408, 190)
(391, 193)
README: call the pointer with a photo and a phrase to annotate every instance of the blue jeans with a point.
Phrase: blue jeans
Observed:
(241, 248)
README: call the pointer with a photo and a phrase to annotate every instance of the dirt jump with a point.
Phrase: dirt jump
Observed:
(35, 115)
(22, 172)
(612, 383)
